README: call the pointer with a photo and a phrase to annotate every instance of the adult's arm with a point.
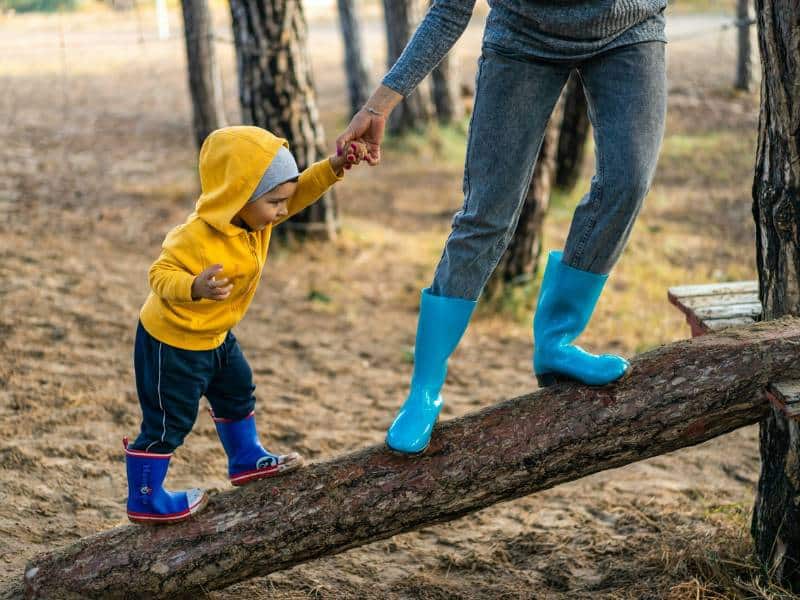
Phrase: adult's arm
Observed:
(437, 33)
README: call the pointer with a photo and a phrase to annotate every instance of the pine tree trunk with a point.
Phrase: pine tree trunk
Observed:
(415, 110)
(744, 63)
(519, 262)
(205, 83)
(776, 209)
(444, 79)
(445, 89)
(677, 395)
(354, 61)
(276, 91)
(574, 130)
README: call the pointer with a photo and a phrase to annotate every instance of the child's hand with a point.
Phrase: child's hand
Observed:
(206, 285)
(356, 151)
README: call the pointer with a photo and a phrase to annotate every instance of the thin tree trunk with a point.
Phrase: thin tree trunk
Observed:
(415, 111)
(519, 262)
(276, 91)
(445, 89)
(444, 80)
(744, 63)
(205, 82)
(575, 128)
(355, 63)
(677, 395)
(776, 209)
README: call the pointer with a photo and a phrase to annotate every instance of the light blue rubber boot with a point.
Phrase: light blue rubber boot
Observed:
(442, 322)
(148, 501)
(566, 301)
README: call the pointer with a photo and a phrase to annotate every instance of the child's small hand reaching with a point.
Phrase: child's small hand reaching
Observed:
(206, 285)
(355, 152)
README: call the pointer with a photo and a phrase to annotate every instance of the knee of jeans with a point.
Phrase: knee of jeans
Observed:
(480, 227)
(632, 186)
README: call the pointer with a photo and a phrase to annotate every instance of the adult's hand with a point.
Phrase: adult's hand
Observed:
(368, 124)
(367, 127)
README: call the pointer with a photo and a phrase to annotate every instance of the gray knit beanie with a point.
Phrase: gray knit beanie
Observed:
(283, 168)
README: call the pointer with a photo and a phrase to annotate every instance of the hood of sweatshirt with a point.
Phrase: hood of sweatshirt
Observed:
(232, 162)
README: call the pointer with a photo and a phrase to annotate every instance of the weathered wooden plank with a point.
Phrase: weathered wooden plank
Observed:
(731, 311)
(788, 390)
(785, 396)
(695, 302)
(720, 324)
(714, 289)
(716, 306)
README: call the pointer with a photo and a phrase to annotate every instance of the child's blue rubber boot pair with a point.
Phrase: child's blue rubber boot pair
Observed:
(247, 458)
(148, 501)
(567, 299)
(441, 324)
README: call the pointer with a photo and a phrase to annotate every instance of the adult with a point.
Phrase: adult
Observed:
(529, 50)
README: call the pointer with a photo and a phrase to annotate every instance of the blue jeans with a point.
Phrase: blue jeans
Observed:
(514, 97)
(170, 382)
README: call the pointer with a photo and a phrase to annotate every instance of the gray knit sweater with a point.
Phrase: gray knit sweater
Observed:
(544, 29)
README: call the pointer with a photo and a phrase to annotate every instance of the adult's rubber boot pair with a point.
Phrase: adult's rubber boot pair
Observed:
(247, 458)
(567, 299)
(148, 501)
(442, 322)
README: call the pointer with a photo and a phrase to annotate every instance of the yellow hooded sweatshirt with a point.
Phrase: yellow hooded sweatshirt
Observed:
(232, 161)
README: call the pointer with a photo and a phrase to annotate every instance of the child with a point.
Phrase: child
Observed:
(202, 284)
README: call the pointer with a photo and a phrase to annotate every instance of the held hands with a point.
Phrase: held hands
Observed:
(206, 285)
(355, 152)
(367, 124)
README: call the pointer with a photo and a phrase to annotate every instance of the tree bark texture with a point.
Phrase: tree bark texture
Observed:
(205, 81)
(276, 90)
(776, 209)
(415, 111)
(575, 128)
(519, 262)
(677, 395)
(355, 63)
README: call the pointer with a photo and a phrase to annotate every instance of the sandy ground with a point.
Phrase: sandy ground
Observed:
(97, 163)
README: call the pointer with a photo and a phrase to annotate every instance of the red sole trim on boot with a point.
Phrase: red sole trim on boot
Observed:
(148, 519)
(248, 476)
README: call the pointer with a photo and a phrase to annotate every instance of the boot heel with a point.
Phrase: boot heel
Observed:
(550, 379)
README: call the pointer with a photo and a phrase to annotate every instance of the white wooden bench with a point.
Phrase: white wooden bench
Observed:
(716, 306)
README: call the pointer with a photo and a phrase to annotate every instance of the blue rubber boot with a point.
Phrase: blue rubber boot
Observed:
(566, 301)
(442, 322)
(247, 458)
(148, 501)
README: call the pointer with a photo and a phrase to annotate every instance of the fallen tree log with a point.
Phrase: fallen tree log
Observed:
(678, 395)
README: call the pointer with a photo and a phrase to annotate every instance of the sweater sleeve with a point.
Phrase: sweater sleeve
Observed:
(312, 184)
(170, 276)
(444, 23)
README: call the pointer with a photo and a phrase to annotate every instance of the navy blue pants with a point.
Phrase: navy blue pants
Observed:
(170, 382)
